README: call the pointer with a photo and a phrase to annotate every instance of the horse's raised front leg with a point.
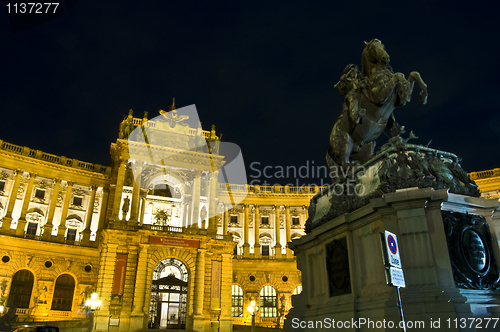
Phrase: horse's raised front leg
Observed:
(415, 77)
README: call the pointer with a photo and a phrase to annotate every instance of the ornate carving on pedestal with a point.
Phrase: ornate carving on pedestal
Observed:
(337, 263)
(397, 165)
(471, 254)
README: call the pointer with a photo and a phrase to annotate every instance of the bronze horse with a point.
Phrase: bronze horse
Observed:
(371, 96)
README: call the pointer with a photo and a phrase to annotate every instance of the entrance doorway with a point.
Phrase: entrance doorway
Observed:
(169, 295)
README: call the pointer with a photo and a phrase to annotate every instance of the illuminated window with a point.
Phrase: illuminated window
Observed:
(77, 201)
(63, 293)
(237, 302)
(20, 291)
(39, 193)
(32, 227)
(71, 236)
(265, 250)
(297, 290)
(268, 302)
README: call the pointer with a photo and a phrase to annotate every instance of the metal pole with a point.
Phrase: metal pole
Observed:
(253, 322)
(400, 307)
(91, 321)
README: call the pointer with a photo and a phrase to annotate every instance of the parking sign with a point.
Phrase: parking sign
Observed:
(391, 242)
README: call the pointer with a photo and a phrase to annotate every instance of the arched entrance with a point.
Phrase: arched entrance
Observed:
(169, 295)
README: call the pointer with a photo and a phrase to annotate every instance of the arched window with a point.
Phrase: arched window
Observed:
(237, 302)
(297, 290)
(63, 293)
(268, 302)
(20, 291)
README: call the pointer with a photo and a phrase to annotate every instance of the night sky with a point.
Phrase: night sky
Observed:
(262, 73)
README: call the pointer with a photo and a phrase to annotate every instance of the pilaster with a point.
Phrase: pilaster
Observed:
(61, 229)
(256, 224)
(47, 228)
(277, 232)
(7, 220)
(26, 202)
(289, 253)
(88, 217)
(246, 244)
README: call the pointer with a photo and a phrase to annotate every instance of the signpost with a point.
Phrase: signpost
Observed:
(393, 267)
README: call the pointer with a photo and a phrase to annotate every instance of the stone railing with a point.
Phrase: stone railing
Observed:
(56, 313)
(51, 158)
(152, 124)
(484, 174)
(257, 189)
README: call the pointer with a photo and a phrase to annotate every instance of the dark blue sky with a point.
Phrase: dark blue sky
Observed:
(263, 73)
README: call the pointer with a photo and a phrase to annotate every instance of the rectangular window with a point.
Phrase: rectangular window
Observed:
(39, 193)
(71, 236)
(2, 185)
(295, 221)
(265, 250)
(234, 219)
(77, 201)
(265, 221)
(32, 227)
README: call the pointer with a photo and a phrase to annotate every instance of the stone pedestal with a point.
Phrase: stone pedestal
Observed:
(443, 241)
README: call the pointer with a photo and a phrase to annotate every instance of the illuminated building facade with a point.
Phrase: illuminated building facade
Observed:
(156, 242)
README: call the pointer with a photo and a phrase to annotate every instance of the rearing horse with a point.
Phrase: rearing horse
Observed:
(371, 96)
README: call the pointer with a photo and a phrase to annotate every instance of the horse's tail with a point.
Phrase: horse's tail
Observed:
(332, 160)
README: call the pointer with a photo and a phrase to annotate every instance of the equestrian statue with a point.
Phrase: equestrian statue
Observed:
(370, 98)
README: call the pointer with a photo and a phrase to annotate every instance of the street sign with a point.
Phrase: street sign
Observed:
(392, 249)
(397, 277)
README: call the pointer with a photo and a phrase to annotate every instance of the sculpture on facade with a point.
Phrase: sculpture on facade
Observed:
(172, 117)
(126, 126)
(371, 96)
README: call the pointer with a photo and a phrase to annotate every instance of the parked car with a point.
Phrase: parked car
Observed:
(35, 328)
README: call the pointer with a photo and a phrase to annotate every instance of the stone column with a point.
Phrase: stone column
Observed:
(142, 209)
(195, 209)
(88, 217)
(199, 286)
(246, 244)
(137, 316)
(289, 253)
(226, 322)
(256, 224)
(47, 228)
(118, 190)
(277, 231)
(104, 209)
(61, 229)
(225, 221)
(212, 208)
(136, 195)
(7, 220)
(187, 218)
(105, 285)
(21, 223)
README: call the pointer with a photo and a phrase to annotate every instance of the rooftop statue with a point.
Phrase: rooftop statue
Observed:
(370, 98)
(172, 117)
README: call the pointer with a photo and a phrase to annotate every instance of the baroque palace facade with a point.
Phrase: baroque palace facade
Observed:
(155, 235)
